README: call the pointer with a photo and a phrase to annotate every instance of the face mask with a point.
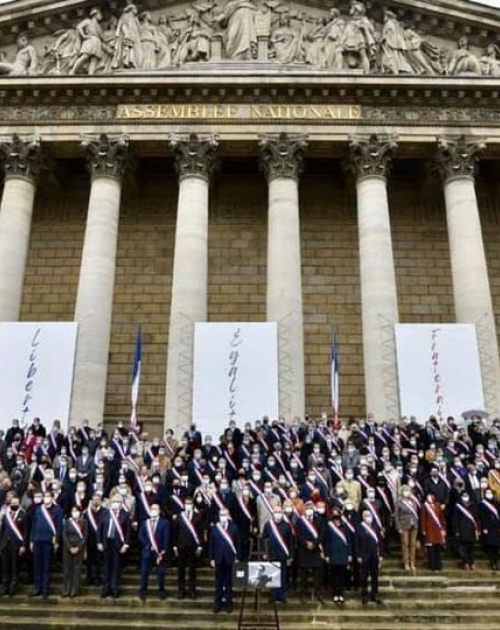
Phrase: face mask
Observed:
(309, 513)
(155, 513)
(349, 477)
(368, 520)
(278, 517)
(149, 488)
(321, 510)
(72, 477)
(75, 514)
(489, 496)
(224, 520)
(246, 493)
(37, 500)
(123, 491)
(224, 487)
(189, 508)
(371, 497)
(288, 510)
(47, 501)
(14, 508)
(115, 506)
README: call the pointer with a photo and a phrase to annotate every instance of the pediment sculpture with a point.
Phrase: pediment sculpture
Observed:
(252, 31)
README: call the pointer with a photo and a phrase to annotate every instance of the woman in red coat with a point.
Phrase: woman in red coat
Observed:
(433, 530)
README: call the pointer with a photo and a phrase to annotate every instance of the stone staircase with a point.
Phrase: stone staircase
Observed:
(419, 601)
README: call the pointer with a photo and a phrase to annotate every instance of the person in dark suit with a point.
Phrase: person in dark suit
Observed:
(310, 551)
(369, 557)
(465, 525)
(188, 536)
(339, 553)
(154, 539)
(12, 544)
(113, 538)
(223, 550)
(45, 537)
(489, 519)
(277, 534)
(93, 515)
(74, 541)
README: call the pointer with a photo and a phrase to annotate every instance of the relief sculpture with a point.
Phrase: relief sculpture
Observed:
(134, 39)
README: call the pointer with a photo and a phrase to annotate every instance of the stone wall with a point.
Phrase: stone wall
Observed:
(237, 268)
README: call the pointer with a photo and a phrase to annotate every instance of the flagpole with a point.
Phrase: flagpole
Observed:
(334, 374)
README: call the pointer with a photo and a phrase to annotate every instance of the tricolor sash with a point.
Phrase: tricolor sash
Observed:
(279, 537)
(445, 480)
(432, 513)
(49, 519)
(91, 517)
(348, 524)
(339, 533)
(119, 448)
(491, 508)
(191, 528)
(13, 526)
(118, 526)
(227, 538)
(152, 537)
(218, 501)
(178, 500)
(310, 526)
(467, 514)
(266, 502)
(370, 532)
(409, 506)
(374, 513)
(145, 503)
(76, 527)
(244, 509)
(385, 499)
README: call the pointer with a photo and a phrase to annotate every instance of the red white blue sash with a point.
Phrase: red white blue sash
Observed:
(152, 537)
(218, 501)
(321, 478)
(491, 508)
(227, 538)
(409, 506)
(244, 509)
(374, 513)
(229, 460)
(169, 448)
(445, 480)
(279, 537)
(91, 517)
(310, 526)
(13, 526)
(145, 503)
(432, 513)
(370, 532)
(179, 501)
(119, 448)
(267, 504)
(77, 528)
(339, 533)
(271, 475)
(49, 519)
(348, 524)
(467, 514)
(54, 441)
(496, 476)
(191, 528)
(385, 499)
(298, 460)
(118, 526)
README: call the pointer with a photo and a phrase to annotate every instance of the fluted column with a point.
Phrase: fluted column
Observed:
(195, 163)
(94, 302)
(370, 159)
(282, 161)
(22, 161)
(457, 161)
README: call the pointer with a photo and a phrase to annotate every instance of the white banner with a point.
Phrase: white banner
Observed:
(439, 370)
(235, 374)
(36, 371)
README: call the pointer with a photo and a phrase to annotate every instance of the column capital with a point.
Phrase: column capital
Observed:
(282, 155)
(370, 156)
(457, 158)
(107, 157)
(21, 158)
(195, 156)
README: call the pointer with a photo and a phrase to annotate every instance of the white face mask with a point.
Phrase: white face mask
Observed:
(47, 501)
(75, 514)
(155, 513)
(278, 517)
(309, 513)
(115, 506)
(368, 520)
(37, 500)
(224, 520)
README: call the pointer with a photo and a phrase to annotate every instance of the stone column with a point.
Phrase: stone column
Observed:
(195, 162)
(457, 161)
(282, 161)
(370, 159)
(22, 161)
(94, 301)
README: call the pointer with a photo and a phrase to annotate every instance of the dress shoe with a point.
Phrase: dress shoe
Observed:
(162, 595)
(36, 594)
(364, 601)
(377, 600)
(181, 594)
(229, 608)
(217, 608)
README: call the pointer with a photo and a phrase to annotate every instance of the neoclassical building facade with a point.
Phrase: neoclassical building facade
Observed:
(313, 164)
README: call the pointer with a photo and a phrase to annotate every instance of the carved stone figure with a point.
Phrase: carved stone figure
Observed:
(194, 43)
(128, 53)
(60, 57)
(166, 38)
(26, 60)
(109, 46)
(333, 57)
(286, 42)
(359, 42)
(490, 64)
(238, 19)
(463, 61)
(315, 42)
(393, 46)
(92, 47)
(423, 57)
(149, 41)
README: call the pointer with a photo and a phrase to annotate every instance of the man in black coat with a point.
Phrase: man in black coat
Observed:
(12, 544)
(188, 540)
(113, 537)
(310, 534)
(369, 557)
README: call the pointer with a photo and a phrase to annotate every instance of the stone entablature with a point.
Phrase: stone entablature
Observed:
(349, 37)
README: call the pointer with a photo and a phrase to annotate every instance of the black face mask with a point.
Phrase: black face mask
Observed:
(14, 508)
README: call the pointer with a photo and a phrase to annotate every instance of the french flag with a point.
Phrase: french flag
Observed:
(136, 377)
(334, 376)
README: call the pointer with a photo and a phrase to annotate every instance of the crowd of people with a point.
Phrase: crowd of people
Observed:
(324, 499)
